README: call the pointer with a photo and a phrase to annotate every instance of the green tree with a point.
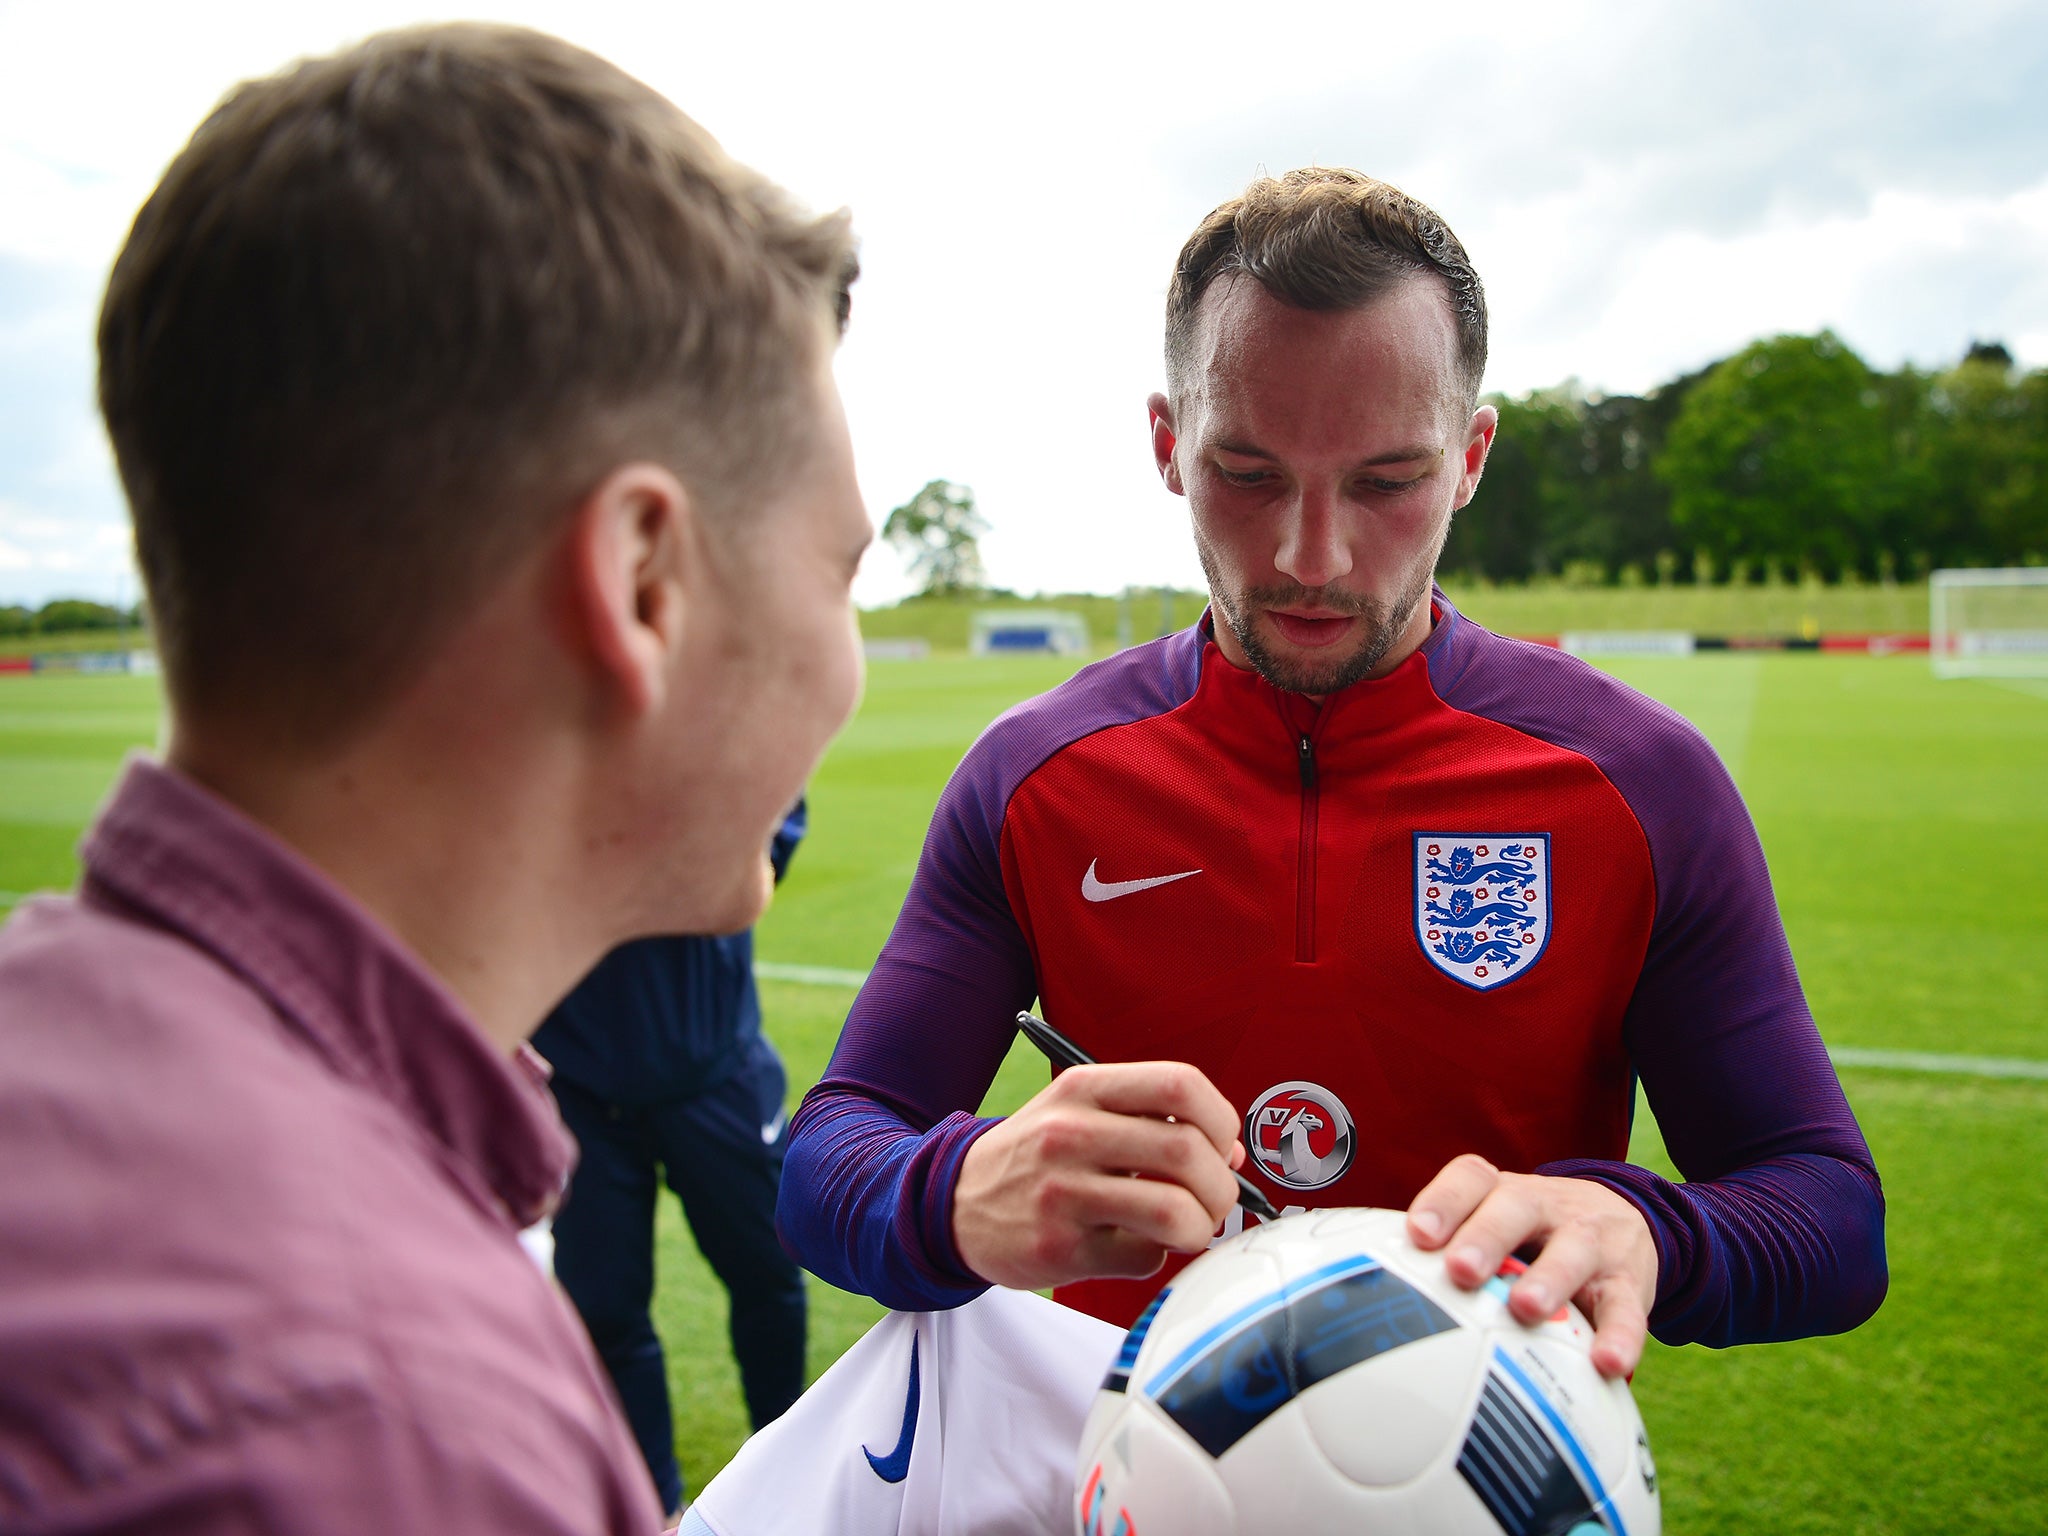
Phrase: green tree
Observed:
(1982, 464)
(1569, 483)
(1785, 453)
(1624, 509)
(71, 613)
(939, 532)
(1508, 532)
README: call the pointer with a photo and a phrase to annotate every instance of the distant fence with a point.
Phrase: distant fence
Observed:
(1619, 643)
(134, 663)
(903, 648)
(1675, 642)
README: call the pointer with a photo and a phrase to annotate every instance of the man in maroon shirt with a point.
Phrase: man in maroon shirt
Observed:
(498, 519)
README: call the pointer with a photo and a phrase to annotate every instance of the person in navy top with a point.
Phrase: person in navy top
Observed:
(1343, 890)
(662, 1073)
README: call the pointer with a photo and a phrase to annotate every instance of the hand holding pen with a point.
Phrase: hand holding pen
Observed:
(1047, 1195)
(1062, 1052)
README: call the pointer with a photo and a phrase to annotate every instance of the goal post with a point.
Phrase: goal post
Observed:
(1989, 623)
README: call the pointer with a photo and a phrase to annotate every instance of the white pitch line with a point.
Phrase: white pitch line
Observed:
(1929, 1061)
(810, 975)
(1843, 1055)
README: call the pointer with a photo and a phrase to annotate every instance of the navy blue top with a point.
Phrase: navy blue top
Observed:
(664, 1018)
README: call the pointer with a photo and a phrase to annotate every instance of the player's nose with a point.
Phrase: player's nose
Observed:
(1313, 549)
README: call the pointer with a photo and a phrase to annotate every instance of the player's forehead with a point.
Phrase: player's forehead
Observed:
(1349, 382)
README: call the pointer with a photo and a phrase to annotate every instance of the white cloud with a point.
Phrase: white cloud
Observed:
(1913, 278)
(1644, 188)
(46, 554)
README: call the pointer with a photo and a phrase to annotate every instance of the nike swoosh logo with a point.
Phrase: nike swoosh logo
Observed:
(895, 1466)
(1109, 890)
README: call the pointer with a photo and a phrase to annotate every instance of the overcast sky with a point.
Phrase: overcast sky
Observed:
(1643, 188)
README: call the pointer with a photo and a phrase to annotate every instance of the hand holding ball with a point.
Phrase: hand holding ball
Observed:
(1321, 1373)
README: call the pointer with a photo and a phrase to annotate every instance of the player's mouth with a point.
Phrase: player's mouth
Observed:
(1312, 628)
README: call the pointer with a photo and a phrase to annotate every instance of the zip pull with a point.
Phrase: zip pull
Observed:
(1306, 760)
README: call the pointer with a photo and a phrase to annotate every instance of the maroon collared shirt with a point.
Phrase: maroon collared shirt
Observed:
(261, 1185)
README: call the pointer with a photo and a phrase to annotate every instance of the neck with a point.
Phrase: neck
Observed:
(471, 858)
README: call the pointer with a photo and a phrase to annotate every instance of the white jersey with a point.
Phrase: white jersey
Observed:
(934, 1424)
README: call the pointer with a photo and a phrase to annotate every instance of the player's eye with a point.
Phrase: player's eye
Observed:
(1231, 476)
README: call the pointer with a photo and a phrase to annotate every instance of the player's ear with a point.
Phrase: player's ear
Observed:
(1164, 437)
(1478, 441)
(630, 544)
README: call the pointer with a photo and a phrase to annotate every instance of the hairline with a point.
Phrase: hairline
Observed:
(1183, 377)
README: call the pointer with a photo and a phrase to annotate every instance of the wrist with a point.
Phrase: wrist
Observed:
(1646, 1194)
(940, 1205)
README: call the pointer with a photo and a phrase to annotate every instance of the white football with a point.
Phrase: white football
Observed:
(1321, 1374)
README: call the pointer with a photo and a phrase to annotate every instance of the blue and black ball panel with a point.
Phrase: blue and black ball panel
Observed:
(1526, 1465)
(1119, 1376)
(1231, 1379)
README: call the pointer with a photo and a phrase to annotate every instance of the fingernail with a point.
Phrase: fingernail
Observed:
(1469, 1258)
(1538, 1294)
(1429, 1224)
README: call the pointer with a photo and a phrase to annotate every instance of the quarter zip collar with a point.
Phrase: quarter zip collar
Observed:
(1364, 709)
(1317, 740)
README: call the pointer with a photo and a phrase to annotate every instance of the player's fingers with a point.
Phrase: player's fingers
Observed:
(1621, 1322)
(1176, 1153)
(1507, 1218)
(1152, 1209)
(1571, 1257)
(1162, 1090)
(1112, 1253)
(1449, 1198)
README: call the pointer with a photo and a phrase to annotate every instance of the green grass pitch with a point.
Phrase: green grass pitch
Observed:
(1907, 829)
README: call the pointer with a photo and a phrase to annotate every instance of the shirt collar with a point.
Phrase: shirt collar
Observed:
(180, 857)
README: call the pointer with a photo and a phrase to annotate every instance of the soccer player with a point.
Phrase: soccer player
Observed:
(1348, 891)
(499, 522)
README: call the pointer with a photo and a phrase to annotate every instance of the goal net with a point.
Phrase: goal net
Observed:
(1991, 623)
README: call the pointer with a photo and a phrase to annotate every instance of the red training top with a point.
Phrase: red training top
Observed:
(1460, 908)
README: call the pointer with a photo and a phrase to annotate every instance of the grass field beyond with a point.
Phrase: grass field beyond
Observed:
(1905, 821)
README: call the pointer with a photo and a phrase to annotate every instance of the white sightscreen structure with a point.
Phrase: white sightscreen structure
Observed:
(1991, 623)
(995, 631)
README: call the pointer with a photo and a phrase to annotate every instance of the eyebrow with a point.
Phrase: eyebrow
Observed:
(1396, 456)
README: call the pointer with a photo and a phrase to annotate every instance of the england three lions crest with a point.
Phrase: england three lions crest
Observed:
(1482, 904)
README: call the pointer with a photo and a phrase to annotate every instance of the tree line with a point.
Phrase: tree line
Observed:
(65, 615)
(1792, 458)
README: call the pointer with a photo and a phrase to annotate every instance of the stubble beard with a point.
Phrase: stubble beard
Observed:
(1385, 623)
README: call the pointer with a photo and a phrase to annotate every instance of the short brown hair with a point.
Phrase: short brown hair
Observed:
(1325, 238)
(390, 313)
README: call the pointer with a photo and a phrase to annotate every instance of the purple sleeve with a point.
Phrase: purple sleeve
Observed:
(867, 1201)
(1778, 1230)
(875, 1148)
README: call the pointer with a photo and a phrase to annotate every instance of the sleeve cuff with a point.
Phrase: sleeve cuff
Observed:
(948, 1142)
